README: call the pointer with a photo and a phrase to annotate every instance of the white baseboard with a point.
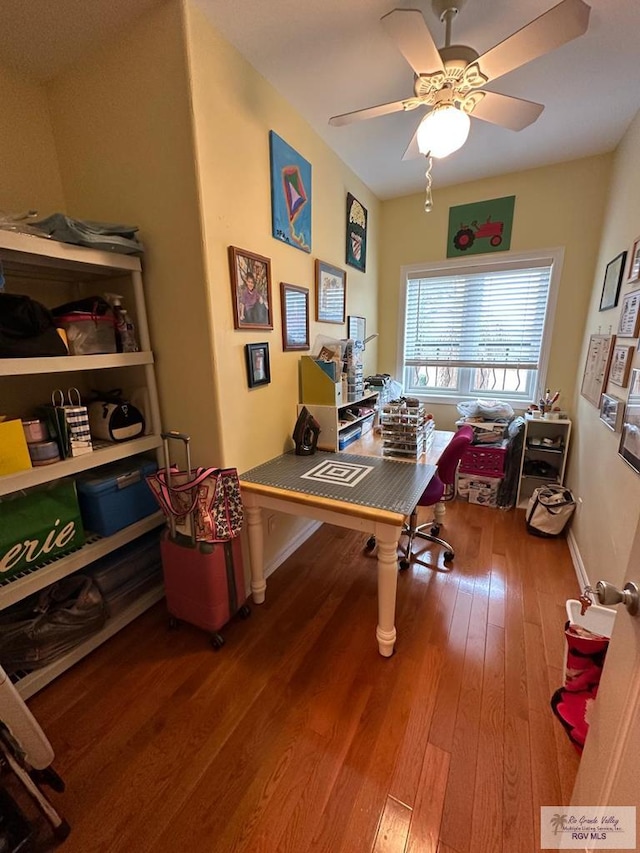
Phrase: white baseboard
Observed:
(292, 545)
(578, 565)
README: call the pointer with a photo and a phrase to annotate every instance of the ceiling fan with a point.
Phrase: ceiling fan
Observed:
(450, 80)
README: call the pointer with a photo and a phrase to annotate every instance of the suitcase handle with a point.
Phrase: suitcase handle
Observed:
(166, 438)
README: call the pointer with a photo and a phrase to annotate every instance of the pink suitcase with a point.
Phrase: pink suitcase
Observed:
(204, 582)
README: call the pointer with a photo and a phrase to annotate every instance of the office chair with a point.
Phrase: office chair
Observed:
(441, 488)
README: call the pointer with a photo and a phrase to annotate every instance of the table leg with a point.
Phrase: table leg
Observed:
(387, 537)
(256, 548)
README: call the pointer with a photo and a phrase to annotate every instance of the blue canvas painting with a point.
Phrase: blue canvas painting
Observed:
(290, 194)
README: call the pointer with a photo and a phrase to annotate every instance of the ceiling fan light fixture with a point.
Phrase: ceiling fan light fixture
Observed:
(442, 131)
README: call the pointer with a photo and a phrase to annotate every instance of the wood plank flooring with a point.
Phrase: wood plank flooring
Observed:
(297, 736)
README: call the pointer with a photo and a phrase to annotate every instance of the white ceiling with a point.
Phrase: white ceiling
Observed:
(328, 57)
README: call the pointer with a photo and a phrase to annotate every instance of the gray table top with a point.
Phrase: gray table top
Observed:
(386, 484)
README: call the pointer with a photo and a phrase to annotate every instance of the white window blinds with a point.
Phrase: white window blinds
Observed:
(477, 317)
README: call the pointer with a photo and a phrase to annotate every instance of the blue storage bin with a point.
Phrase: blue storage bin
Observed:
(116, 495)
(348, 436)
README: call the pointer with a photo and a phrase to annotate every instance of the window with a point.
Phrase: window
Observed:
(479, 327)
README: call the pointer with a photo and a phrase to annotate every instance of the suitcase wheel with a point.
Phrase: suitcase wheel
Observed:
(174, 623)
(217, 641)
(62, 831)
(245, 611)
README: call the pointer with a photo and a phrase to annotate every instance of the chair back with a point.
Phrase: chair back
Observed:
(452, 454)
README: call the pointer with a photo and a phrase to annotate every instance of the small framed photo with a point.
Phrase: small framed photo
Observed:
(611, 411)
(258, 368)
(331, 293)
(612, 281)
(250, 289)
(620, 365)
(356, 328)
(294, 302)
(634, 263)
(629, 448)
(630, 315)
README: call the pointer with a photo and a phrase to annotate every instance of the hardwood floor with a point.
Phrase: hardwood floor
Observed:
(298, 736)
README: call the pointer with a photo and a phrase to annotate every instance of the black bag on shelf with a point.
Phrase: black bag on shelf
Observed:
(42, 628)
(97, 306)
(27, 329)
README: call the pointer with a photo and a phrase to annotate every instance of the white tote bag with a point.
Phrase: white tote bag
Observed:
(550, 508)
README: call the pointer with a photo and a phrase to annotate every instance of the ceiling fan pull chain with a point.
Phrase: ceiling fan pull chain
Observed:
(428, 202)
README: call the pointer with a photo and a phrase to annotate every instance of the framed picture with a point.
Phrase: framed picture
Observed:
(294, 302)
(290, 194)
(331, 293)
(629, 447)
(596, 369)
(620, 365)
(250, 289)
(356, 234)
(480, 227)
(634, 262)
(629, 316)
(611, 411)
(258, 368)
(356, 328)
(612, 281)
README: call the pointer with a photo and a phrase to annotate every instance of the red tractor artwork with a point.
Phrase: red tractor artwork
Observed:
(467, 235)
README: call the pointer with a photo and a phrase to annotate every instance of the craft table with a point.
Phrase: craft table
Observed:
(365, 493)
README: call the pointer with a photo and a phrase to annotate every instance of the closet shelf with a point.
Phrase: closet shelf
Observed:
(31, 682)
(34, 579)
(71, 363)
(99, 456)
(54, 273)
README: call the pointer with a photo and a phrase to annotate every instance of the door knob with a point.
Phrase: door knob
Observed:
(609, 594)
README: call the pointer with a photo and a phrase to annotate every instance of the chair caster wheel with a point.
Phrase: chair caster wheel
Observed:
(448, 556)
(371, 543)
(404, 565)
(435, 530)
(217, 641)
(245, 611)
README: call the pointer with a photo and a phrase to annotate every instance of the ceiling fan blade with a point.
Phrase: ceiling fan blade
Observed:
(409, 30)
(514, 113)
(412, 150)
(369, 112)
(559, 25)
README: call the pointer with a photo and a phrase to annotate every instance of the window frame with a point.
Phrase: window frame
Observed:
(555, 258)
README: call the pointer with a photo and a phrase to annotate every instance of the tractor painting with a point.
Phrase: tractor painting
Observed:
(468, 234)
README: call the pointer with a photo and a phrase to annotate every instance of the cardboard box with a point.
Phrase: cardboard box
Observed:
(14, 455)
(479, 490)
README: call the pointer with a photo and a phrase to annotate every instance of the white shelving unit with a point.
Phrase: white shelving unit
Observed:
(54, 273)
(545, 441)
(333, 420)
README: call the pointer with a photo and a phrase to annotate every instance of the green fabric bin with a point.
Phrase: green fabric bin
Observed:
(36, 527)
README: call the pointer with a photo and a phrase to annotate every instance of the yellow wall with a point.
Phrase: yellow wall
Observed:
(123, 131)
(559, 205)
(606, 521)
(234, 109)
(30, 177)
